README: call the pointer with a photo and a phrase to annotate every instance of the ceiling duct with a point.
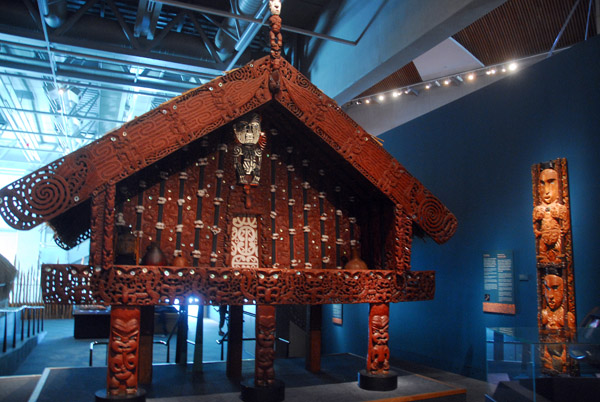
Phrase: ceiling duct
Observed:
(226, 44)
(54, 12)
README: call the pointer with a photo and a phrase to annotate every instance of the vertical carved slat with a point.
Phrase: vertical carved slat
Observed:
(291, 202)
(305, 209)
(217, 201)
(160, 225)
(198, 224)
(97, 229)
(274, 235)
(108, 246)
(322, 219)
(338, 238)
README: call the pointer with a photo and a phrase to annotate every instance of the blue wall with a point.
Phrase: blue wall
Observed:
(475, 155)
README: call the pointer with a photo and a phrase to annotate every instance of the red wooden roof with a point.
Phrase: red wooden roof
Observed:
(69, 181)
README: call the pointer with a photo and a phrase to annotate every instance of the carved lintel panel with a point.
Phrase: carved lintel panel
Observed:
(264, 373)
(378, 356)
(123, 350)
(554, 254)
(150, 285)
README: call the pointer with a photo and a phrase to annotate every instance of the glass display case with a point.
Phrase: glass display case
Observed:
(529, 364)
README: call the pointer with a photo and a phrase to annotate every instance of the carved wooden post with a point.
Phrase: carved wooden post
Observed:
(377, 376)
(554, 254)
(123, 354)
(265, 386)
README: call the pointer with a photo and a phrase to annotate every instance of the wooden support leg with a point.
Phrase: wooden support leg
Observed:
(234, 344)
(123, 356)
(264, 388)
(146, 345)
(199, 339)
(378, 376)
(313, 350)
(264, 372)
(182, 333)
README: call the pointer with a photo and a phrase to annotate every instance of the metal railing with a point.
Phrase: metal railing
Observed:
(28, 318)
(105, 342)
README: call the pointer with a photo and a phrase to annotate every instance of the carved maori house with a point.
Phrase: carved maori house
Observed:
(257, 188)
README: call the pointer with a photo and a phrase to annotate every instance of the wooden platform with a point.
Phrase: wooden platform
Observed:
(337, 381)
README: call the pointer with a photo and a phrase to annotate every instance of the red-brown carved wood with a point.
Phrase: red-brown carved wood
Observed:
(68, 182)
(146, 285)
(378, 356)
(123, 351)
(555, 273)
(326, 187)
(264, 372)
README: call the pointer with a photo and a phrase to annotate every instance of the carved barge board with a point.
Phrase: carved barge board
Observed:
(48, 193)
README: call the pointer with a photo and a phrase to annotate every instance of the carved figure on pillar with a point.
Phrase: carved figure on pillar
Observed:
(264, 373)
(247, 153)
(379, 353)
(556, 291)
(123, 351)
(551, 218)
(276, 41)
(553, 314)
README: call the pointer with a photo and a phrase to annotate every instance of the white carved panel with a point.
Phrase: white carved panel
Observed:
(244, 242)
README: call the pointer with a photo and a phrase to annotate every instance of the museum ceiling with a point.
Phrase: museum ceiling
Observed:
(95, 64)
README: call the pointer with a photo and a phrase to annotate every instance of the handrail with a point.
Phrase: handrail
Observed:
(25, 312)
(103, 342)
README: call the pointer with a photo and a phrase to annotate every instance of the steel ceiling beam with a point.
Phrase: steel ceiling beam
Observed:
(45, 72)
(40, 112)
(221, 13)
(87, 85)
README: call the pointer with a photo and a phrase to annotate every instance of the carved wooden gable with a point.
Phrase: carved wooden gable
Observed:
(325, 186)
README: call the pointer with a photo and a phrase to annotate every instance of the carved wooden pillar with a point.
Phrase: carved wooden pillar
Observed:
(264, 387)
(377, 375)
(123, 354)
(555, 273)
(264, 373)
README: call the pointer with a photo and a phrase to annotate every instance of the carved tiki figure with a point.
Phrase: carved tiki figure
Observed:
(554, 357)
(247, 152)
(550, 217)
(123, 351)
(379, 353)
(264, 373)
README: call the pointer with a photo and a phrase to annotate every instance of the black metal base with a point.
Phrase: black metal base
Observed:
(253, 393)
(139, 396)
(377, 382)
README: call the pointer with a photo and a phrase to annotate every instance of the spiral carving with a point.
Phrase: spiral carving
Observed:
(36, 198)
(435, 219)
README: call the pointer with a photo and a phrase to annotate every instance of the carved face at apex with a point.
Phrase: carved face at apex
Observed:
(553, 291)
(247, 130)
(275, 7)
(548, 186)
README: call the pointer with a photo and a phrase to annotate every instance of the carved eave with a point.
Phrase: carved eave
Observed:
(150, 285)
(48, 193)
